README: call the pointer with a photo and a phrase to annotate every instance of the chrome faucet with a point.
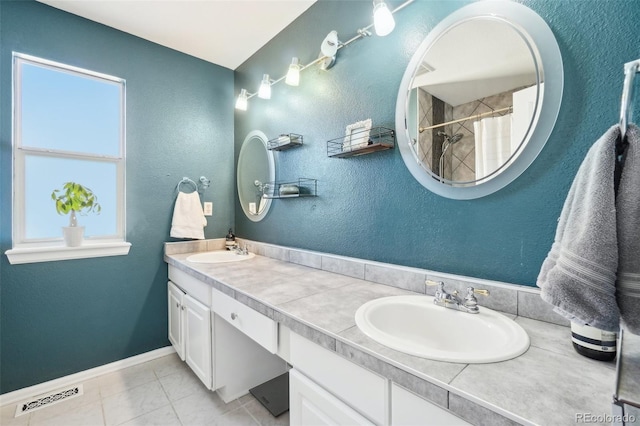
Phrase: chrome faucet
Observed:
(451, 300)
(239, 250)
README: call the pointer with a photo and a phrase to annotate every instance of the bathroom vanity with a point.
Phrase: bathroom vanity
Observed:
(229, 346)
(298, 307)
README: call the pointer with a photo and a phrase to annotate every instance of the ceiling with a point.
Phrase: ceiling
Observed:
(479, 58)
(224, 32)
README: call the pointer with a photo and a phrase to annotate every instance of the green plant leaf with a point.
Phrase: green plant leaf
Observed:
(76, 197)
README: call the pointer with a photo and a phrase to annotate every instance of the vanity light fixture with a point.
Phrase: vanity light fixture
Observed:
(293, 75)
(264, 91)
(241, 102)
(382, 18)
(329, 48)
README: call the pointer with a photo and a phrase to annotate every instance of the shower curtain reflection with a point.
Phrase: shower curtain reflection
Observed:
(493, 144)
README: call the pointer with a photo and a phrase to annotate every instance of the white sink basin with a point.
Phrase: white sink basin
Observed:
(414, 325)
(219, 256)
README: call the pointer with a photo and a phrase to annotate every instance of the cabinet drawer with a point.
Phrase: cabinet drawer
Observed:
(358, 387)
(255, 325)
(192, 286)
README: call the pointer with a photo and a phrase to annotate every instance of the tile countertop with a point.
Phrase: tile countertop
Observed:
(550, 384)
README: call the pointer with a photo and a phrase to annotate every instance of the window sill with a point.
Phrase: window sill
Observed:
(54, 253)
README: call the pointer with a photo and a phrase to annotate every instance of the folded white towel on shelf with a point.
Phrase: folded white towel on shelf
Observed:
(578, 277)
(188, 217)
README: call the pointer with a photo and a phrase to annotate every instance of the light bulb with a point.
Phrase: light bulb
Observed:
(382, 18)
(293, 75)
(265, 88)
(241, 102)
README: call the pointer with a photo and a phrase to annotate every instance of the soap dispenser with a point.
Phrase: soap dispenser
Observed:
(230, 240)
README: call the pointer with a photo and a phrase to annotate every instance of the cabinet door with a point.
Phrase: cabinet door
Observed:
(309, 404)
(197, 327)
(176, 332)
(409, 409)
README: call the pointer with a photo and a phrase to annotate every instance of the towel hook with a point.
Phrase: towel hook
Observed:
(630, 70)
(204, 184)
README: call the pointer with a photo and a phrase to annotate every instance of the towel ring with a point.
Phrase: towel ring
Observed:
(186, 180)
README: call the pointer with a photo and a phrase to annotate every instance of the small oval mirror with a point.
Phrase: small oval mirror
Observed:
(479, 99)
(256, 170)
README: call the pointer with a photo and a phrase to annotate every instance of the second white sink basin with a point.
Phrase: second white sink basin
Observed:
(414, 325)
(219, 256)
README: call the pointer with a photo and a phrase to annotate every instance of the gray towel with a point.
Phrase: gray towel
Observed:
(628, 219)
(578, 277)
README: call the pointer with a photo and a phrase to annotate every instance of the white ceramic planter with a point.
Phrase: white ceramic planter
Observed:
(73, 235)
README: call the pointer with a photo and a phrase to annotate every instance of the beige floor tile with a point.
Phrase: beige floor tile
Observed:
(202, 407)
(7, 418)
(164, 416)
(181, 384)
(167, 365)
(85, 415)
(128, 378)
(263, 416)
(134, 403)
(237, 417)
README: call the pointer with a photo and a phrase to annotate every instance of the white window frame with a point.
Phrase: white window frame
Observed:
(50, 249)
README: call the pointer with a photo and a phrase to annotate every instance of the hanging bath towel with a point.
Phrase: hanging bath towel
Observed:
(188, 217)
(578, 277)
(628, 220)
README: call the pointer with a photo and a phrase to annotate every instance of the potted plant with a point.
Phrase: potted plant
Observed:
(73, 198)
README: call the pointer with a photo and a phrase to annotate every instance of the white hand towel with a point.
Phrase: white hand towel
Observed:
(188, 217)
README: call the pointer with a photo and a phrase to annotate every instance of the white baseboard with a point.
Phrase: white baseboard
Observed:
(52, 385)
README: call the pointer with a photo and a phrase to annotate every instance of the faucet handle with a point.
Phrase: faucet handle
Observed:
(440, 285)
(431, 282)
(480, 291)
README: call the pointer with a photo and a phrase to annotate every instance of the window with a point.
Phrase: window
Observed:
(68, 126)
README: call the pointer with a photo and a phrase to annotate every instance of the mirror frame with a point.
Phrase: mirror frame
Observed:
(533, 29)
(272, 175)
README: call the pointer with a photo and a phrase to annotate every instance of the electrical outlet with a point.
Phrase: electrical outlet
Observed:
(208, 208)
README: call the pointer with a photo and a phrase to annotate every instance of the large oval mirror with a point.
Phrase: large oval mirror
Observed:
(256, 170)
(479, 99)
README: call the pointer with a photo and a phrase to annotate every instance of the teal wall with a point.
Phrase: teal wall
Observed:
(58, 318)
(370, 206)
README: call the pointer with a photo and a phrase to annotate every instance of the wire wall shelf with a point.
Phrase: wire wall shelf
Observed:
(302, 187)
(284, 142)
(361, 142)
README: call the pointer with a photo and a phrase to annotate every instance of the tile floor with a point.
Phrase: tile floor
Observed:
(159, 392)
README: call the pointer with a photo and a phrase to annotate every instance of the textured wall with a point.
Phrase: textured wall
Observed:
(62, 317)
(370, 206)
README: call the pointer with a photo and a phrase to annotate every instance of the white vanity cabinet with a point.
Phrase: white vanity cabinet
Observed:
(326, 387)
(190, 332)
(409, 409)
(310, 404)
(228, 345)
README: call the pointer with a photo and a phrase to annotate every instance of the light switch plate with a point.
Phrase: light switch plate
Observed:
(208, 208)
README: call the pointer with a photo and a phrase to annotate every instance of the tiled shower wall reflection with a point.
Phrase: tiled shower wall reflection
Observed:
(459, 160)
